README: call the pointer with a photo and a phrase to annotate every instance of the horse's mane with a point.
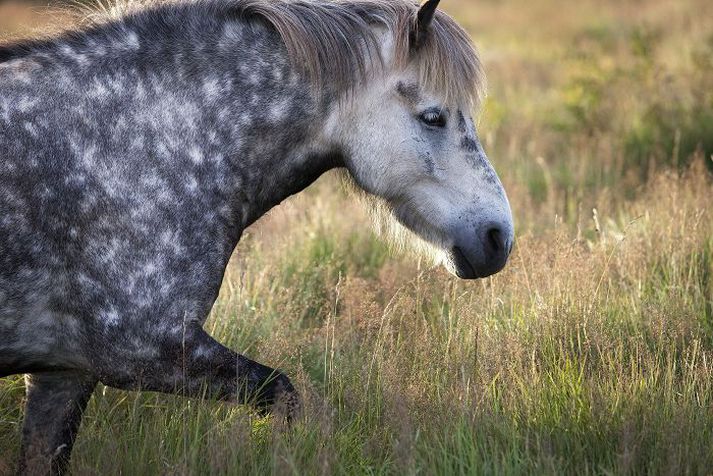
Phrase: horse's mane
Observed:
(330, 40)
(334, 40)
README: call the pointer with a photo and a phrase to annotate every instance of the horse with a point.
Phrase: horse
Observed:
(136, 149)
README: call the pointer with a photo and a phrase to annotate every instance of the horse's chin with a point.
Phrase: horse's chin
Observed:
(467, 266)
(459, 266)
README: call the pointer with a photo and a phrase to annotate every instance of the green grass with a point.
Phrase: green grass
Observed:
(584, 356)
(591, 353)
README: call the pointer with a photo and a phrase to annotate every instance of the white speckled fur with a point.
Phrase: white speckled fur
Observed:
(131, 164)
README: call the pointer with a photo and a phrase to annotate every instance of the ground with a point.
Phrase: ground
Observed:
(592, 352)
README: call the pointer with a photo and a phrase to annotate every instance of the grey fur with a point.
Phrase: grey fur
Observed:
(56, 401)
(133, 156)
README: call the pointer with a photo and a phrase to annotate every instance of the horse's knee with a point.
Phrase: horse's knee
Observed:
(277, 394)
(197, 365)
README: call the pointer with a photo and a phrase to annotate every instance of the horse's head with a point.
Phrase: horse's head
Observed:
(412, 143)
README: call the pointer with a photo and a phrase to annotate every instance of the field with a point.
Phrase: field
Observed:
(591, 353)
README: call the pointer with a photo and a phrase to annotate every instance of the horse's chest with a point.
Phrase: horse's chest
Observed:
(109, 291)
(35, 334)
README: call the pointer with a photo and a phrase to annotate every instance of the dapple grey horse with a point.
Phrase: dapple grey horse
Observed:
(134, 152)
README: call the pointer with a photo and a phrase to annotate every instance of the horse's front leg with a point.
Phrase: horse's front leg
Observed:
(196, 365)
(53, 412)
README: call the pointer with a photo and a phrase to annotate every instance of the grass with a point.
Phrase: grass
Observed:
(591, 353)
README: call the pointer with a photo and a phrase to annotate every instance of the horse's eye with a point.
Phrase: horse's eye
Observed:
(433, 118)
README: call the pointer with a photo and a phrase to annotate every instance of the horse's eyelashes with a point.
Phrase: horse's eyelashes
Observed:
(433, 118)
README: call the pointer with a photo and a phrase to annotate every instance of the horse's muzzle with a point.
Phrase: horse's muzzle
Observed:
(484, 253)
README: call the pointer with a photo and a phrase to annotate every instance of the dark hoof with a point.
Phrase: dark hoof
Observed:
(280, 398)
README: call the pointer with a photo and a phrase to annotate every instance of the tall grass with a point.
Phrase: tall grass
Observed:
(592, 352)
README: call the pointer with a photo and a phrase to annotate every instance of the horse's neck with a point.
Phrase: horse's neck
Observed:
(246, 110)
(210, 106)
(277, 126)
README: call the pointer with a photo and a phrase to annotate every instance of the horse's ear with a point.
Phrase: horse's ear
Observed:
(423, 22)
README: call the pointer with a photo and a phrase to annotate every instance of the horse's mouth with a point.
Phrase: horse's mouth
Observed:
(463, 268)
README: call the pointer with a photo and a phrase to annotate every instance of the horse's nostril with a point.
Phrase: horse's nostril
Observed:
(483, 254)
(495, 239)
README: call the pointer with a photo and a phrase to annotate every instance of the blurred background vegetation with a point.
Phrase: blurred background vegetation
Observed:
(592, 352)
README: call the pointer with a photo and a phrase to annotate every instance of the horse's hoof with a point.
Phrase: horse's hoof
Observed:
(280, 398)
